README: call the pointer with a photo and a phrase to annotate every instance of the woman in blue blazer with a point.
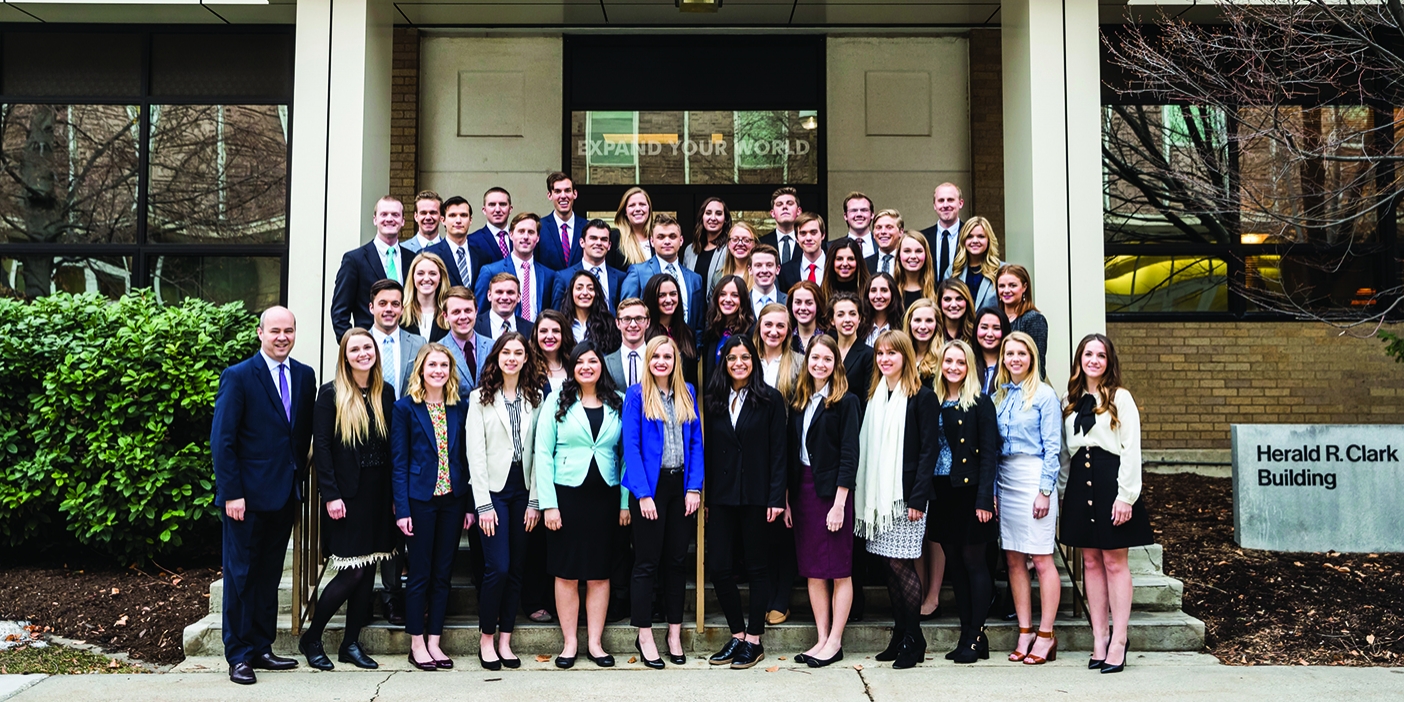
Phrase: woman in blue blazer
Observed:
(663, 473)
(577, 487)
(430, 484)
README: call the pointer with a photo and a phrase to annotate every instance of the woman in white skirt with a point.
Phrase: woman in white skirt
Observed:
(897, 454)
(1031, 425)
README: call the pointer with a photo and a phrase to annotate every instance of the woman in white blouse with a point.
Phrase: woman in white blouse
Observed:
(779, 364)
(1102, 471)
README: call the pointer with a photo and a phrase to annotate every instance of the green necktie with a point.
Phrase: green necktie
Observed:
(391, 270)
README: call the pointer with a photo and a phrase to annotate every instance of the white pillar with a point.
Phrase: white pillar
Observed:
(341, 154)
(1053, 166)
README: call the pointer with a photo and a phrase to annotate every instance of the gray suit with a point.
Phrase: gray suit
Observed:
(468, 381)
(407, 345)
(615, 363)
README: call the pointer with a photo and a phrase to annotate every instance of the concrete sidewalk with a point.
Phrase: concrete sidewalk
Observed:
(1151, 676)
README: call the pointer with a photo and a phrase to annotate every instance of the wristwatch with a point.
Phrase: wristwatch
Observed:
(1046, 493)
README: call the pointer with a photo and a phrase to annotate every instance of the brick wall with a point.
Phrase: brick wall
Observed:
(1193, 379)
(986, 129)
(404, 121)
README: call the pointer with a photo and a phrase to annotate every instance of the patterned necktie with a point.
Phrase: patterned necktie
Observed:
(673, 271)
(633, 367)
(388, 363)
(463, 265)
(506, 327)
(527, 312)
(886, 263)
(789, 251)
(502, 242)
(565, 241)
(812, 278)
(283, 390)
(392, 271)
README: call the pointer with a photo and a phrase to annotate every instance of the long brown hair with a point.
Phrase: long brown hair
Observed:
(1026, 303)
(838, 380)
(529, 380)
(901, 343)
(1106, 390)
(353, 424)
(967, 318)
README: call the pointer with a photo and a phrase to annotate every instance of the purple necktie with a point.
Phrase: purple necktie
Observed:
(565, 240)
(502, 242)
(283, 390)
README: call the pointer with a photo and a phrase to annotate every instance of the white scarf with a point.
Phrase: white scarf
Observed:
(877, 499)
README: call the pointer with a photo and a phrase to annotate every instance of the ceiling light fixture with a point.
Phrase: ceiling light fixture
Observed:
(697, 5)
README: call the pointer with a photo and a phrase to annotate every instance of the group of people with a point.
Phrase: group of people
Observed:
(575, 392)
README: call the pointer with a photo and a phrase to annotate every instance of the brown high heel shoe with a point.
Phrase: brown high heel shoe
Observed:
(1016, 656)
(1033, 659)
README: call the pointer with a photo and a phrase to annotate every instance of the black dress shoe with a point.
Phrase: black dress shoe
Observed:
(316, 655)
(935, 614)
(913, 651)
(748, 655)
(605, 661)
(893, 646)
(727, 653)
(269, 661)
(677, 658)
(802, 658)
(511, 663)
(564, 662)
(821, 662)
(489, 665)
(393, 609)
(1125, 656)
(355, 655)
(656, 663)
(443, 664)
(242, 673)
(422, 666)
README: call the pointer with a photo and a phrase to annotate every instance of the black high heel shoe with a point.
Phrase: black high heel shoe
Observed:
(1097, 663)
(676, 658)
(656, 663)
(1125, 656)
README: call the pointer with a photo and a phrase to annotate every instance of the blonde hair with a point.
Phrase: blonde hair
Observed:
(1003, 377)
(989, 267)
(411, 313)
(930, 361)
(415, 387)
(353, 423)
(927, 274)
(785, 377)
(838, 380)
(970, 386)
(683, 402)
(901, 343)
(628, 243)
(730, 265)
(894, 215)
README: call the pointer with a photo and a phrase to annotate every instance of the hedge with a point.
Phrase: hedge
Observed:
(106, 421)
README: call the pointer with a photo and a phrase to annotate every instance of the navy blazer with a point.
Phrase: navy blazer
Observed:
(639, 275)
(643, 447)
(548, 249)
(476, 260)
(484, 330)
(542, 282)
(360, 268)
(933, 240)
(483, 240)
(615, 282)
(414, 455)
(259, 455)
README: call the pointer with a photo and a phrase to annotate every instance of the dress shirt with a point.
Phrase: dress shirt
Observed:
(496, 323)
(736, 401)
(948, 236)
(521, 266)
(674, 269)
(1123, 441)
(425, 243)
(761, 299)
(869, 246)
(873, 335)
(672, 434)
(770, 370)
(579, 330)
(381, 248)
(389, 345)
(514, 413)
(886, 262)
(1037, 431)
(818, 264)
(632, 361)
(565, 225)
(497, 238)
(601, 273)
(780, 240)
(469, 348)
(273, 370)
(814, 401)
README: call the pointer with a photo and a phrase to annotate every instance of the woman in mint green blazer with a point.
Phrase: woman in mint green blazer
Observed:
(577, 486)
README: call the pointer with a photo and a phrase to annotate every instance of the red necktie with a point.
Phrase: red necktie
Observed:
(811, 273)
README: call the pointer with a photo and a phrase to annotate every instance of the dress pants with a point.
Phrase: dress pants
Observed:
(438, 524)
(783, 566)
(660, 552)
(725, 523)
(504, 560)
(254, 550)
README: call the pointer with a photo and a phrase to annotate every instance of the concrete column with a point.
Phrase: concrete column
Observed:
(1053, 167)
(341, 154)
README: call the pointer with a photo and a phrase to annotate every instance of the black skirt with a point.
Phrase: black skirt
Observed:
(367, 533)
(1087, 505)
(581, 548)
(952, 517)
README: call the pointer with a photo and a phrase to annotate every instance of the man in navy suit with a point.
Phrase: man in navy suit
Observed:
(428, 213)
(469, 348)
(595, 247)
(534, 277)
(500, 314)
(943, 236)
(888, 229)
(260, 438)
(380, 258)
(561, 232)
(666, 239)
(784, 208)
(493, 238)
(456, 247)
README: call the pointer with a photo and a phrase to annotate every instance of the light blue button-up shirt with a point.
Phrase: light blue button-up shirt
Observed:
(1037, 431)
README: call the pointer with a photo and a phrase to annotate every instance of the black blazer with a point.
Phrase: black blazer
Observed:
(833, 446)
(746, 464)
(920, 448)
(360, 268)
(858, 367)
(973, 436)
(339, 464)
(435, 334)
(482, 327)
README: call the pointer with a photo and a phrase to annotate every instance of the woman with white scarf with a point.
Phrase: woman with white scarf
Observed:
(897, 456)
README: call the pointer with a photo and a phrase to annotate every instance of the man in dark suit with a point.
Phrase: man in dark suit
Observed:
(888, 229)
(809, 265)
(428, 214)
(503, 296)
(560, 232)
(944, 234)
(784, 208)
(858, 215)
(765, 272)
(666, 238)
(595, 247)
(492, 238)
(380, 258)
(456, 247)
(535, 278)
(260, 438)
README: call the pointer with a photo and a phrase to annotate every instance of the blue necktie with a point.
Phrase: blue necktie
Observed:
(283, 390)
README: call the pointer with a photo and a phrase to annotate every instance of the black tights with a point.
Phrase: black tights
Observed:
(970, 577)
(904, 589)
(354, 586)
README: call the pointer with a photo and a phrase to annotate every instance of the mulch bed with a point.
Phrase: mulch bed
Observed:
(1264, 607)
(140, 611)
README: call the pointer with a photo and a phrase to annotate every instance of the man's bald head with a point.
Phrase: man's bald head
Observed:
(277, 332)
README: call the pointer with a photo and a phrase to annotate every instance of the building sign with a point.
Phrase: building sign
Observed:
(1304, 487)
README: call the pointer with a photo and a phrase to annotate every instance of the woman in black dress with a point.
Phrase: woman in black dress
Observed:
(352, 455)
(1102, 471)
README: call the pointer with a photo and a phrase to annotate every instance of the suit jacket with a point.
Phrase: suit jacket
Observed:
(615, 364)
(360, 268)
(920, 448)
(548, 249)
(477, 258)
(408, 345)
(564, 450)
(639, 275)
(984, 293)
(858, 367)
(260, 456)
(542, 283)
(483, 240)
(773, 238)
(467, 382)
(791, 273)
(484, 329)
(643, 447)
(614, 282)
(490, 447)
(414, 453)
(339, 463)
(832, 445)
(933, 240)
(747, 463)
(973, 435)
(872, 262)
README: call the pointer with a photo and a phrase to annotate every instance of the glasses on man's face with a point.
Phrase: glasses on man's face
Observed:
(633, 321)
(734, 359)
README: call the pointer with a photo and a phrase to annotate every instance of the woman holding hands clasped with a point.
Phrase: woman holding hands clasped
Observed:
(577, 486)
(663, 473)
(824, 422)
(501, 433)
(896, 456)
(1102, 472)
(1030, 422)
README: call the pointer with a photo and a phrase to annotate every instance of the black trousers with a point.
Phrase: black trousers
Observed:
(724, 524)
(783, 566)
(504, 560)
(438, 524)
(538, 587)
(253, 566)
(660, 552)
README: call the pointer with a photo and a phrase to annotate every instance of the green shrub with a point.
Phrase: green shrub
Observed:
(107, 418)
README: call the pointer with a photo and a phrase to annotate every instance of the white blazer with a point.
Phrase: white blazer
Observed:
(489, 432)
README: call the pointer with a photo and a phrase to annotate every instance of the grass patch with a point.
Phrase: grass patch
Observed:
(58, 660)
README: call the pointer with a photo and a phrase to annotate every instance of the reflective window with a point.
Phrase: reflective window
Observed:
(39, 274)
(255, 281)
